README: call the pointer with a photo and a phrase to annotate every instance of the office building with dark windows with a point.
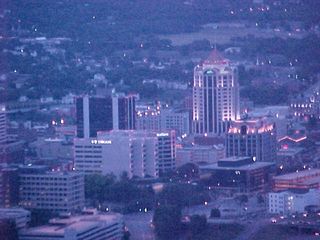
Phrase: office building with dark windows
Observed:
(253, 137)
(104, 114)
(238, 174)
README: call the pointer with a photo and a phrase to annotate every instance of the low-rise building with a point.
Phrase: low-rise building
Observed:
(83, 227)
(287, 202)
(20, 216)
(200, 154)
(239, 174)
(298, 180)
(54, 191)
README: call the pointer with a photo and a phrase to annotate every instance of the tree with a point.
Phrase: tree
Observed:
(260, 199)
(8, 230)
(95, 185)
(198, 224)
(215, 213)
(242, 199)
(167, 221)
(41, 216)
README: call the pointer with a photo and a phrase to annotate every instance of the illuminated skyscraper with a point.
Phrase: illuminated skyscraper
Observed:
(215, 95)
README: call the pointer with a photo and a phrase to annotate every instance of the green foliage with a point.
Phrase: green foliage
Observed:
(242, 199)
(167, 221)
(172, 195)
(198, 224)
(8, 230)
(266, 95)
(40, 217)
(95, 186)
(219, 232)
(130, 195)
(215, 213)
(187, 171)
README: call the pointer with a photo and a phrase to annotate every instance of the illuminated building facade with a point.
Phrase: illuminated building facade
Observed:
(306, 106)
(306, 179)
(255, 138)
(139, 153)
(215, 95)
(104, 114)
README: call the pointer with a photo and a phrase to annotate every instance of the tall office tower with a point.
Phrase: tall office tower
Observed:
(215, 95)
(9, 186)
(124, 112)
(165, 119)
(255, 138)
(166, 151)
(104, 113)
(3, 124)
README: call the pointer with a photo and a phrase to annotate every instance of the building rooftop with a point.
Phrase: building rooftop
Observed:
(301, 175)
(255, 125)
(215, 58)
(82, 223)
(6, 213)
(235, 163)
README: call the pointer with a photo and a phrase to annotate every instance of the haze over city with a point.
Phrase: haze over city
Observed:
(159, 119)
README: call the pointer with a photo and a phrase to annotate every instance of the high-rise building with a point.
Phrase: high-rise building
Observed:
(3, 124)
(9, 186)
(139, 153)
(166, 151)
(104, 114)
(163, 119)
(215, 95)
(255, 138)
(53, 191)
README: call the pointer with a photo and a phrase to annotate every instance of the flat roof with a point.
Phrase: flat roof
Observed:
(300, 174)
(12, 212)
(253, 166)
(81, 223)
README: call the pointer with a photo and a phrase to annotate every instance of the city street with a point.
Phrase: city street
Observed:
(139, 226)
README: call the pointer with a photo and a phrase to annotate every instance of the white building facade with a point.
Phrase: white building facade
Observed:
(134, 152)
(288, 202)
(86, 227)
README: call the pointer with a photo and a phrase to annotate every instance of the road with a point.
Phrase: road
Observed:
(139, 225)
(251, 229)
